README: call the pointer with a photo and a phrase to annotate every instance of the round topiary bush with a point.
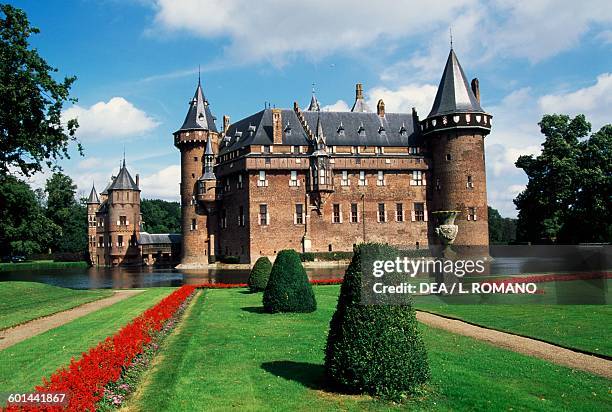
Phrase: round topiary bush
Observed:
(258, 278)
(288, 288)
(374, 349)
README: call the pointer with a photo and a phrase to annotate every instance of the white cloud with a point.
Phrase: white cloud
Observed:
(502, 200)
(605, 36)
(112, 119)
(594, 101)
(276, 30)
(339, 106)
(404, 98)
(162, 185)
(90, 163)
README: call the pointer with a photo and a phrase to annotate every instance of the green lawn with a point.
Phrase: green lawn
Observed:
(41, 264)
(228, 354)
(23, 365)
(584, 327)
(24, 301)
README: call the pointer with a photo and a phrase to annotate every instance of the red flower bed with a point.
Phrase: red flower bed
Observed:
(84, 380)
(336, 281)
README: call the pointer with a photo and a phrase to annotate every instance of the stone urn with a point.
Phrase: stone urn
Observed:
(446, 229)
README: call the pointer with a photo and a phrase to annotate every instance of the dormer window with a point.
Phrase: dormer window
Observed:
(251, 129)
(361, 130)
(381, 130)
(201, 116)
(288, 129)
(402, 130)
(341, 129)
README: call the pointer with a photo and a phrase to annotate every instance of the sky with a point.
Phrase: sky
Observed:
(137, 67)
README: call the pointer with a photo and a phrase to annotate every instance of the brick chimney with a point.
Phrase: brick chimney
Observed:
(380, 108)
(358, 91)
(476, 88)
(226, 123)
(277, 126)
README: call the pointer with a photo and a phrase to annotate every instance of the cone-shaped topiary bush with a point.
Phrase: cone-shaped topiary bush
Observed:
(258, 278)
(288, 288)
(375, 349)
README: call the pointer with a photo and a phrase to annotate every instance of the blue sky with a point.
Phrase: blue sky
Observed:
(137, 63)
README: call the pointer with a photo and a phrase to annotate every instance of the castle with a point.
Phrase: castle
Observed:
(318, 181)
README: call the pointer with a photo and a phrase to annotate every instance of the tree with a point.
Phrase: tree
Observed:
(32, 133)
(70, 215)
(288, 288)
(24, 228)
(374, 348)
(258, 278)
(501, 229)
(160, 216)
(569, 184)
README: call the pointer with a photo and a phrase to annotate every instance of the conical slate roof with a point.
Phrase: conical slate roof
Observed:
(209, 151)
(199, 116)
(93, 196)
(454, 93)
(314, 103)
(123, 181)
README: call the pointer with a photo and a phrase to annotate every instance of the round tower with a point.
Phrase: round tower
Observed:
(93, 203)
(198, 130)
(123, 219)
(454, 131)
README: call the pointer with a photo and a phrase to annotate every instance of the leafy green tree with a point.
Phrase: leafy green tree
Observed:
(568, 193)
(501, 229)
(32, 133)
(24, 228)
(258, 278)
(160, 216)
(67, 213)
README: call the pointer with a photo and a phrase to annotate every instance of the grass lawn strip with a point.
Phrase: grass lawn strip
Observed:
(21, 302)
(23, 365)
(230, 355)
(583, 327)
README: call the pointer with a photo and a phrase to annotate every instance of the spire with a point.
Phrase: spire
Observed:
(199, 116)
(454, 93)
(314, 103)
(360, 104)
(209, 150)
(93, 196)
(123, 181)
(209, 161)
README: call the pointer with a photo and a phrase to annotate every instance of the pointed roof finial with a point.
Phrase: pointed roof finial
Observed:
(450, 32)
(124, 155)
(199, 74)
(314, 103)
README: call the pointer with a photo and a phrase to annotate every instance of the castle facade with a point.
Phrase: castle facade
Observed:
(319, 181)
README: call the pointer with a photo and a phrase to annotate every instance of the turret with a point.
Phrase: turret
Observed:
(93, 203)
(454, 131)
(321, 174)
(197, 135)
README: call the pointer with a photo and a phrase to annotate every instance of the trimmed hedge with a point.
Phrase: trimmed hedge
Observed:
(288, 289)
(258, 278)
(374, 349)
(325, 256)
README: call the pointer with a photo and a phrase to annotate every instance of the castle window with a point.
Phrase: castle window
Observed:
(417, 178)
(379, 150)
(299, 214)
(223, 219)
(329, 247)
(120, 241)
(228, 186)
(354, 213)
(355, 150)
(195, 158)
(362, 178)
(332, 149)
(239, 184)
(419, 214)
(295, 149)
(399, 212)
(193, 175)
(263, 215)
(194, 224)
(470, 183)
(337, 216)
(262, 181)
(266, 149)
(438, 187)
(241, 216)
(471, 215)
(448, 157)
(345, 179)
(268, 160)
(380, 181)
(101, 241)
(293, 181)
(358, 161)
(382, 213)
(122, 221)
(413, 150)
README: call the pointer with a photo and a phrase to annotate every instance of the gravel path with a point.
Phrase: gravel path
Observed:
(11, 336)
(531, 347)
